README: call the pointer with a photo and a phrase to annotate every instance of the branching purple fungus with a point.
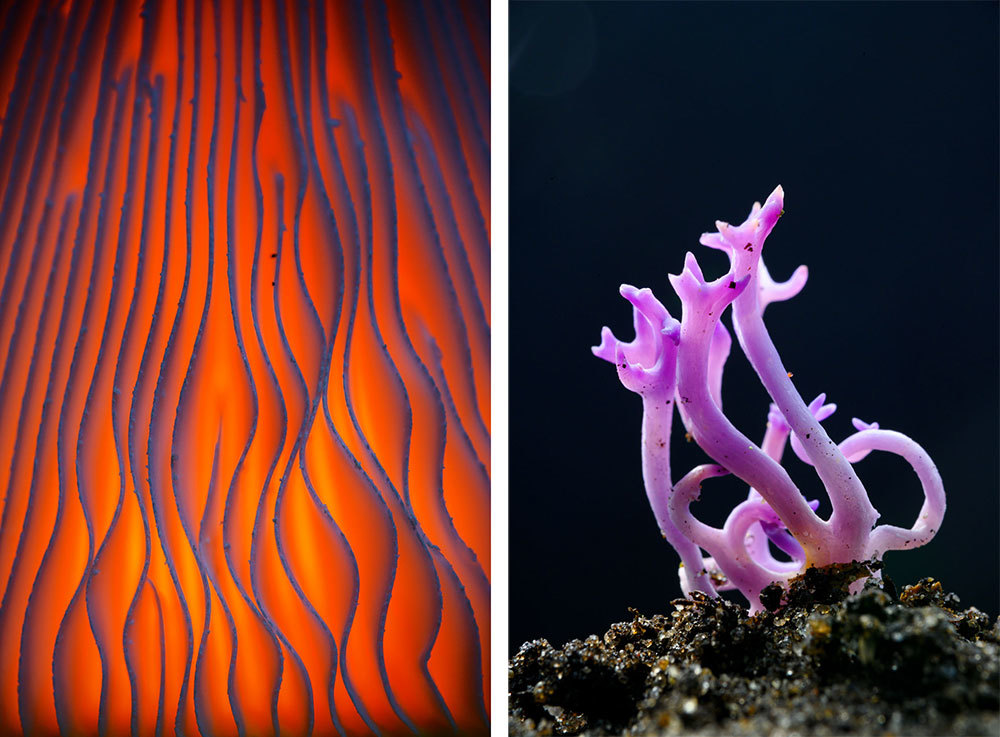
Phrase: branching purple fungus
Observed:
(671, 363)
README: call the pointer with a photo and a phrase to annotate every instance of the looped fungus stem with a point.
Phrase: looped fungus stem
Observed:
(680, 363)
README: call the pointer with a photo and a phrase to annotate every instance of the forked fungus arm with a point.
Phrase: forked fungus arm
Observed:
(671, 363)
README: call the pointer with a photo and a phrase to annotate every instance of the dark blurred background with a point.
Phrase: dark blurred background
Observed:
(633, 127)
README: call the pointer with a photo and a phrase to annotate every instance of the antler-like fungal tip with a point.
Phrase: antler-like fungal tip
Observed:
(672, 331)
(688, 371)
(646, 303)
(860, 425)
(820, 410)
(606, 349)
(714, 240)
(772, 291)
(627, 290)
(770, 212)
(797, 281)
(691, 265)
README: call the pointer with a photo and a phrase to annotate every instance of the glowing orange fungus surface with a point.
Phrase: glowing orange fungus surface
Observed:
(244, 410)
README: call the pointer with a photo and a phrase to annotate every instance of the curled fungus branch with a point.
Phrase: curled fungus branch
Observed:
(680, 363)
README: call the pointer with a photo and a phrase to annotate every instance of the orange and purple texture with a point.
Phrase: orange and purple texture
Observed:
(244, 337)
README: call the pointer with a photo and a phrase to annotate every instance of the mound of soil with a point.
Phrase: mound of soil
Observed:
(821, 662)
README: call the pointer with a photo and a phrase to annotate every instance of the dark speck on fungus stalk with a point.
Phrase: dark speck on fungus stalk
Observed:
(685, 359)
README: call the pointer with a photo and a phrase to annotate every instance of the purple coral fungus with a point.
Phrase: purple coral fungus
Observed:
(671, 363)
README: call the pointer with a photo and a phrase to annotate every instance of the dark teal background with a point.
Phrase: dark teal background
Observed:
(633, 126)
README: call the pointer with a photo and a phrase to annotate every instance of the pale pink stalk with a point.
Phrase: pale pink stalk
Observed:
(703, 303)
(647, 366)
(853, 515)
(725, 545)
(890, 537)
(681, 364)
